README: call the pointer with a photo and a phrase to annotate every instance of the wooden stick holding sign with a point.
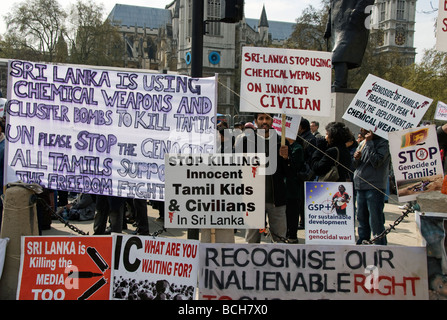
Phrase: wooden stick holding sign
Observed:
(283, 129)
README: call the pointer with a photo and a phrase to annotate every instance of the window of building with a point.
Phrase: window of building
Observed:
(400, 13)
(189, 19)
(213, 13)
(382, 7)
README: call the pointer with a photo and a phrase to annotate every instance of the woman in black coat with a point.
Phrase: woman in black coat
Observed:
(337, 134)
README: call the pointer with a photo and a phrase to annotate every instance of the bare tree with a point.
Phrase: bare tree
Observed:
(35, 25)
(92, 39)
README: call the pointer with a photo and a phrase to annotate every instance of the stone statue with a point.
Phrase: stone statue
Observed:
(349, 34)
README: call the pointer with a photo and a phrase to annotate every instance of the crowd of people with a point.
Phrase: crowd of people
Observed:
(363, 160)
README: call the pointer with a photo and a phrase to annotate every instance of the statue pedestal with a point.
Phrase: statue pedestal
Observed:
(341, 99)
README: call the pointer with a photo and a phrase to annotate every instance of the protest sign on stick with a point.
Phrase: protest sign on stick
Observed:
(416, 161)
(103, 131)
(224, 191)
(288, 124)
(441, 111)
(278, 80)
(383, 107)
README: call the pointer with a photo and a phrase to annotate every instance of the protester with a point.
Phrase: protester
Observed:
(351, 145)
(371, 160)
(314, 126)
(82, 208)
(275, 187)
(160, 206)
(225, 141)
(241, 141)
(295, 190)
(108, 207)
(142, 222)
(308, 141)
(360, 137)
(337, 134)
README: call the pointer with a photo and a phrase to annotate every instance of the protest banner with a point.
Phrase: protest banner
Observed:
(383, 107)
(224, 191)
(278, 80)
(441, 111)
(103, 131)
(148, 268)
(292, 272)
(329, 213)
(291, 126)
(65, 268)
(416, 161)
(441, 27)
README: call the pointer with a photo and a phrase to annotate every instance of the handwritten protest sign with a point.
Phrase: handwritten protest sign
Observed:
(293, 272)
(278, 80)
(416, 161)
(329, 212)
(65, 268)
(215, 191)
(291, 126)
(103, 131)
(150, 268)
(441, 111)
(441, 27)
(383, 107)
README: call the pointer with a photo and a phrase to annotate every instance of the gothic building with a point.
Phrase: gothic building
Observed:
(160, 39)
(395, 19)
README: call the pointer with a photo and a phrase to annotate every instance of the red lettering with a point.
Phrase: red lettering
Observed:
(385, 285)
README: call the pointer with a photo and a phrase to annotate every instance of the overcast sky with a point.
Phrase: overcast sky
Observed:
(281, 10)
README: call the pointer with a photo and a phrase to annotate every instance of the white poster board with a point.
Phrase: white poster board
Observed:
(103, 131)
(278, 80)
(416, 161)
(303, 272)
(291, 126)
(148, 268)
(383, 107)
(441, 111)
(441, 27)
(225, 191)
(329, 213)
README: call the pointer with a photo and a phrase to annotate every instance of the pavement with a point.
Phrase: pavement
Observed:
(404, 234)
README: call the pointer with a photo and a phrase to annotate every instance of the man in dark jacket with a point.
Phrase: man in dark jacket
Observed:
(371, 160)
(308, 141)
(275, 186)
(347, 28)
